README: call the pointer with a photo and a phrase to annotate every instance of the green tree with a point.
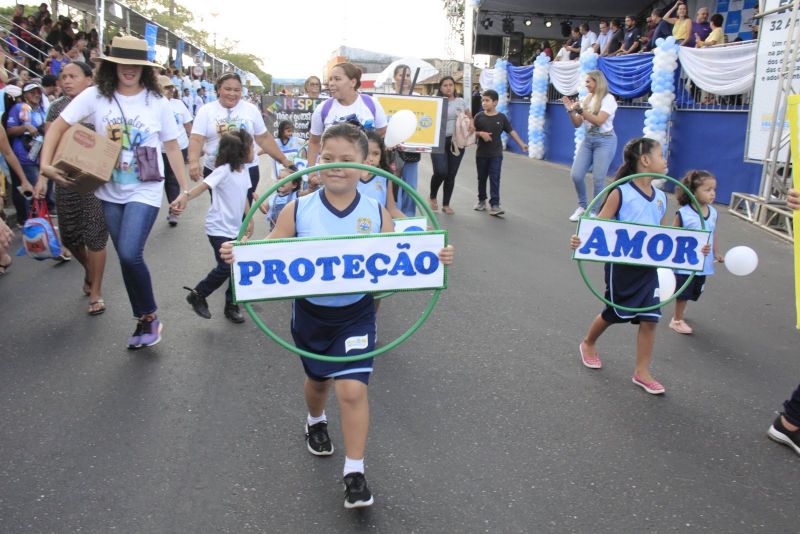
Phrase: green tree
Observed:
(454, 9)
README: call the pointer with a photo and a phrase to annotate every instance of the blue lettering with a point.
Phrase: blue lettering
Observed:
(433, 262)
(274, 272)
(597, 240)
(308, 269)
(627, 246)
(653, 246)
(327, 267)
(372, 268)
(686, 247)
(403, 264)
(247, 270)
(352, 266)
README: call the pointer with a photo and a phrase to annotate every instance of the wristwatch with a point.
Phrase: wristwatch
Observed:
(291, 167)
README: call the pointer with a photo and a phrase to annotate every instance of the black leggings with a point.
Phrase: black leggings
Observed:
(445, 168)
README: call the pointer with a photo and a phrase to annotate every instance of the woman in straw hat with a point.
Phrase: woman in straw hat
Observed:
(127, 105)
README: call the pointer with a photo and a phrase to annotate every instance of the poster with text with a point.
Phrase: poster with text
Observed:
(292, 108)
(431, 112)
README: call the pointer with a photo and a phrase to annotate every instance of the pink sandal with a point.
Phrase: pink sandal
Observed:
(654, 388)
(592, 362)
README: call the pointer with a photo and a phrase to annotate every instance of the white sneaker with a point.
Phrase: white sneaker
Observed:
(577, 214)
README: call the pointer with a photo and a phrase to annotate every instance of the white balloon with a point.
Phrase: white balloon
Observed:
(666, 283)
(402, 125)
(741, 260)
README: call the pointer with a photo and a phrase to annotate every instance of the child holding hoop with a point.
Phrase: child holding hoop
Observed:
(632, 286)
(703, 186)
(342, 324)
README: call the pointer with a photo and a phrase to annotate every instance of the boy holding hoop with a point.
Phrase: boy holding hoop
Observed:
(342, 324)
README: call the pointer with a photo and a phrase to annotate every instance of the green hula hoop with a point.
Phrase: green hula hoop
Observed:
(377, 352)
(602, 194)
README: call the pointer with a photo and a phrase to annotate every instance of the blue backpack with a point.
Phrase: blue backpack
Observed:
(39, 236)
(328, 104)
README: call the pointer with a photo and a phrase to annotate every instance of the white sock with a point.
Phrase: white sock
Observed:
(314, 420)
(353, 466)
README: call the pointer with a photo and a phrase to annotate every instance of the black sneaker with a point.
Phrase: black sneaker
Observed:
(318, 440)
(198, 303)
(233, 313)
(356, 492)
(781, 434)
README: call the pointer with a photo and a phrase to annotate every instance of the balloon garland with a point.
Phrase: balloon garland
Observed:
(501, 86)
(662, 85)
(536, 114)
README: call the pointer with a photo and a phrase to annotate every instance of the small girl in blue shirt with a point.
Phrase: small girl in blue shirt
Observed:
(703, 186)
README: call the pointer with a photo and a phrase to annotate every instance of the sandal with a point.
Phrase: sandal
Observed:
(433, 203)
(98, 307)
(448, 210)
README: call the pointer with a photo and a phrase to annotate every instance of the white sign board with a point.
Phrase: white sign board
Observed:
(305, 267)
(774, 31)
(410, 224)
(635, 244)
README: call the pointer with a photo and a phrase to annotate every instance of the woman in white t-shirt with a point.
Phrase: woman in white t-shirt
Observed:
(345, 104)
(596, 115)
(126, 104)
(183, 118)
(227, 114)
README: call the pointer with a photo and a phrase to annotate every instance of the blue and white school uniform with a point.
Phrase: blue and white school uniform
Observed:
(276, 204)
(629, 285)
(689, 218)
(375, 188)
(337, 325)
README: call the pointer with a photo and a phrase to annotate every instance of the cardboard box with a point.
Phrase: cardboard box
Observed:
(86, 157)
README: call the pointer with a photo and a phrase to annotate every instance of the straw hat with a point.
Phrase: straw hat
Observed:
(164, 82)
(128, 50)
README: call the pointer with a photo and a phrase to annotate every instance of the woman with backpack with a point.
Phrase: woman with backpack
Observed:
(345, 104)
(445, 164)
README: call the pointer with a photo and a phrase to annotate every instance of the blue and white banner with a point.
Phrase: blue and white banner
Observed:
(150, 35)
(305, 267)
(635, 244)
(179, 54)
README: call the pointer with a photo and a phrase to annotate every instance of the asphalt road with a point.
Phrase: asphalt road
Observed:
(484, 421)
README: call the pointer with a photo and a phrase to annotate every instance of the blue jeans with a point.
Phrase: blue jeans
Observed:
(596, 152)
(129, 225)
(489, 168)
(405, 202)
(220, 274)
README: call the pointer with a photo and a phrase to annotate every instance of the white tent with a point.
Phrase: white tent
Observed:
(426, 70)
(253, 79)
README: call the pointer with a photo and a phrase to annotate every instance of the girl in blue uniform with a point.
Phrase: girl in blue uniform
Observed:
(703, 186)
(336, 325)
(632, 286)
(374, 186)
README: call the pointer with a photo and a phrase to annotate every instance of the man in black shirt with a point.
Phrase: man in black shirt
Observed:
(632, 35)
(615, 41)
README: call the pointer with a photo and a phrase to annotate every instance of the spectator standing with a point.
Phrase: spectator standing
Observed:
(662, 30)
(700, 27)
(312, 87)
(573, 45)
(632, 36)
(588, 37)
(42, 14)
(26, 130)
(615, 41)
(681, 23)
(56, 60)
(602, 38)
(716, 36)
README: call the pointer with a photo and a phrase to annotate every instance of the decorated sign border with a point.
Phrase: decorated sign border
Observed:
(423, 206)
(403, 235)
(701, 236)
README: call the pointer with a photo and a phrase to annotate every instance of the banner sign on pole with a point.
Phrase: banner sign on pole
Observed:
(410, 224)
(289, 108)
(179, 54)
(340, 265)
(769, 58)
(431, 119)
(637, 244)
(150, 35)
(794, 129)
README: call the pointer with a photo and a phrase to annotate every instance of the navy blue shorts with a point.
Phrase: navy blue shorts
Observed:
(694, 290)
(634, 287)
(335, 331)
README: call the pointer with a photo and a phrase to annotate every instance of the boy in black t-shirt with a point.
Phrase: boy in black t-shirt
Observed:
(489, 124)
